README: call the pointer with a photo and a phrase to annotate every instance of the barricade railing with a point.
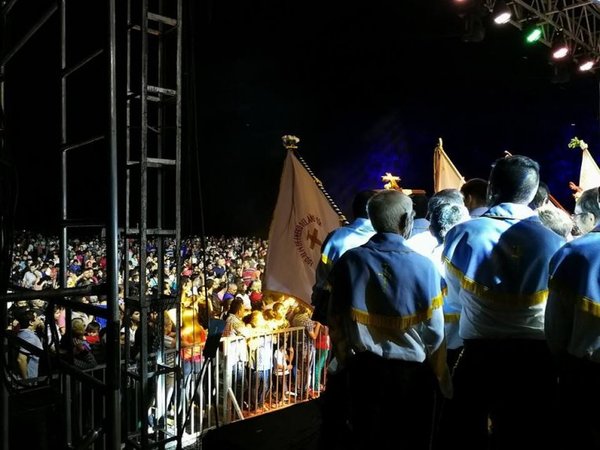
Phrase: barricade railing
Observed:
(248, 377)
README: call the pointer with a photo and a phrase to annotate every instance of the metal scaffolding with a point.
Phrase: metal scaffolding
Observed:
(119, 72)
(578, 21)
(152, 192)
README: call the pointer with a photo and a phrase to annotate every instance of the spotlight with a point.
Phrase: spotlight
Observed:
(586, 64)
(502, 13)
(560, 49)
(534, 34)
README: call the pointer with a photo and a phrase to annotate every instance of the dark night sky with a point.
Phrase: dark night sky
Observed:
(368, 87)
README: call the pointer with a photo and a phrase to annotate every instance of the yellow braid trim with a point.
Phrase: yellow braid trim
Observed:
(395, 322)
(483, 292)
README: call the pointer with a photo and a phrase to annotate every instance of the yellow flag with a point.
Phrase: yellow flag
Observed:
(589, 176)
(302, 219)
(445, 173)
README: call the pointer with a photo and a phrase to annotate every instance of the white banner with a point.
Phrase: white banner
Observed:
(589, 176)
(302, 219)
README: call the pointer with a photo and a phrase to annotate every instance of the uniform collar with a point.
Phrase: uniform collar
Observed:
(510, 211)
(391, 240)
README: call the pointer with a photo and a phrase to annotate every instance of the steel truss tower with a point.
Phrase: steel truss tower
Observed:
(118, 77)
(578, 21)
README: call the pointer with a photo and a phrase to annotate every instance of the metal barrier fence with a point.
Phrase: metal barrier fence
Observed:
(247, 377)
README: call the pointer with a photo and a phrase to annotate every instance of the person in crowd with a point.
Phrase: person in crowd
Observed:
(260, 346)
(228, 296)
(283, 363)
(442, 219)
(421, 220)
(250, 271)
(92, 333)
(475, 194)
(255, 295)
(497, 265)
(15, 311)
(334, 246)
(322, 346)
(164, 391)
(280, 311)
(56, 327)
(573, 332)
(83, 356)
(27, 359)
(556, 220)
(425, 243)
(129, 329)
(236, 349)
(587, 213)
(86, 278)
(193, 337)
(542, 197)
(38, 306)
(220, 269)
(385, 320)
(204, 306)
(305, 350)
(242, 293)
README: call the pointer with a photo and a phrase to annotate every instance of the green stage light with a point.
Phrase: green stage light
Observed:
(533, 35)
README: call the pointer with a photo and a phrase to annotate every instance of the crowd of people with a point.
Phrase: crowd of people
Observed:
(219, 280)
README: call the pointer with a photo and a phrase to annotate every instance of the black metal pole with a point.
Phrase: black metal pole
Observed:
(113, 362)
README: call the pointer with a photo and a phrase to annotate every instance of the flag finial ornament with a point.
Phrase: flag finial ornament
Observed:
(576, 142)
(290, 142)
(589, 174)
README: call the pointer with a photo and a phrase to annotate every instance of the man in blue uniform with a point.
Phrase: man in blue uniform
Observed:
(386, 318)
(573, 333)
(335, 245)
(498, 266)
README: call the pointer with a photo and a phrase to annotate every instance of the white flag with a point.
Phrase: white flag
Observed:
(302, 219)
(589, 176)
(445, 173)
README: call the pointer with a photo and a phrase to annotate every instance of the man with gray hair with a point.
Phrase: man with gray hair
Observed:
(425, 243)
(386, 319)
(587, 212)
(442, 219)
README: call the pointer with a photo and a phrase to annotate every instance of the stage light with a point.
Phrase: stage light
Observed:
(533, 35)
(502, 13)
(586, 64)
(560, 49)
